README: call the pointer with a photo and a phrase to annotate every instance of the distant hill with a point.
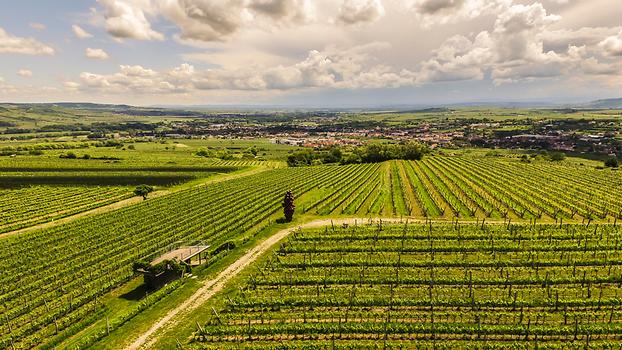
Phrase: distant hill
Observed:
(610, 103)
(109, 108)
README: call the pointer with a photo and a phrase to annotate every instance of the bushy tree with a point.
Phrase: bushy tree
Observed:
(289, 206)
(557, 156)
(202, 152)
(143, 191)
(612, 162)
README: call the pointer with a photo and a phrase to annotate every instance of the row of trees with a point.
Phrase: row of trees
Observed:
(226, 154)
(371, 153)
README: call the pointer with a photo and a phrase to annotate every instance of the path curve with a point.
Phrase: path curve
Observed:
(213, 286)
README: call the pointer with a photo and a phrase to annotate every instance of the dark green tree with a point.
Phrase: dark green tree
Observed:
(612, 162)
(557, 156)
(143, 190)
(289, 206)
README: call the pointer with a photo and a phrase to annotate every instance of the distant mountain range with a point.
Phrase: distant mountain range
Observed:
(610, 103)
(198, 110)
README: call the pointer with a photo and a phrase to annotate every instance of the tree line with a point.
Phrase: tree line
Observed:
(370, 153)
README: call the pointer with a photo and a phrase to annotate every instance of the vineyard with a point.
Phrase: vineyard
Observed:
(428, 285)
(456, 187)
(29, 206)
(51, 279)
(30, 196)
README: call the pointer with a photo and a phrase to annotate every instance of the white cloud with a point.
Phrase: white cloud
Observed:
(96, 54)
(24, 73)
(592, 66)
(25, 46)
(203, 20)
(334, 67)
(80, 33)
(351, 68)
(612, 46)
(561, 39)
(512, 51)
(459, 59)
(360, 11)
(37, 26)
(517, 32)
(127, 19)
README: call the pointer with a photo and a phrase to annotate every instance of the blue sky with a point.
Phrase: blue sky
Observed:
(310, 52)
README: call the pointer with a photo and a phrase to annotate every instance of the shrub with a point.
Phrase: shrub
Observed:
(612, 162)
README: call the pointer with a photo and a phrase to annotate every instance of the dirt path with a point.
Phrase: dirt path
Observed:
(213, 286)
(99, 210)
(128, 202)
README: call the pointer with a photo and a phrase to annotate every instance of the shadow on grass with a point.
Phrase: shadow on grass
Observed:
(137, 293)
(282, 221)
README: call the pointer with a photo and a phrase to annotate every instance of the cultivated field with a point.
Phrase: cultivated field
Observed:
(434, 286)
(461, 187)
(56, 282)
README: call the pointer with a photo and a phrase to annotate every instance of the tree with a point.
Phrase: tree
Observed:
(289, 206)
(143, 190)
(414, 150)
(557, 156)
(612, 162)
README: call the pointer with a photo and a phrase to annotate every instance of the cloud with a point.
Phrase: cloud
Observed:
(283, 11)
(438, 12)
(592, 66)
(352, 68)
(37, 26)
(127, 19)
(522, 46)
(218, 20)
(80, 33)
(458, 58)
(560, 39)
(517, 31)
(134, 80)
(513, 51)
(205, 20)
(96, 54)
(25, 73)
(612, 46)
(24, 46)
(360, 11)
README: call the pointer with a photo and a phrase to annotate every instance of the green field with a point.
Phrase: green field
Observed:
(536, 239)
(427, 286)
(53, 279)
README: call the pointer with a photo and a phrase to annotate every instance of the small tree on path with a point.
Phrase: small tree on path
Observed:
(143, 190)
(289, 206)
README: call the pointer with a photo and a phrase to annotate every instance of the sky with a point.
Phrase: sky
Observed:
(313, 53)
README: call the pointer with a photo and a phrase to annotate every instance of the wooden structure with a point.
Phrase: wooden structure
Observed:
(183, 254)
(172, 265)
